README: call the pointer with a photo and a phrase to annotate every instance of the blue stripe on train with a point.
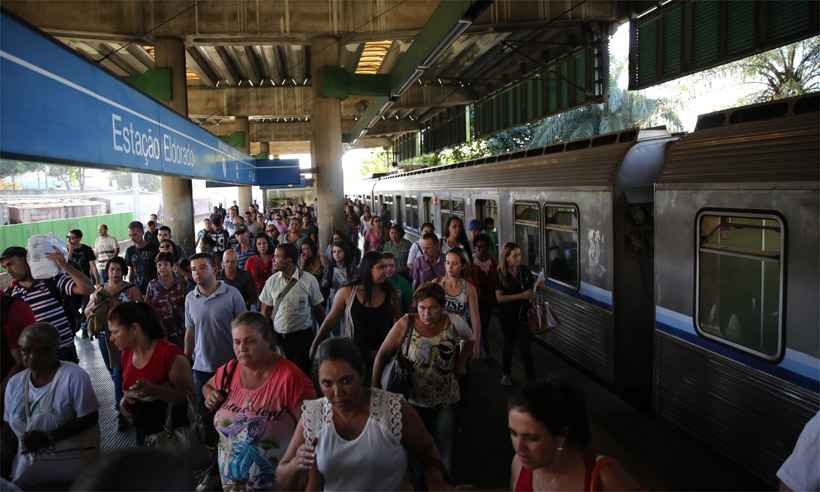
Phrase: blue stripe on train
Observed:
(588, 292)
(796, 367)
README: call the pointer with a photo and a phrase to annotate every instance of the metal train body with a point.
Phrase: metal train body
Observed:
(683, 269)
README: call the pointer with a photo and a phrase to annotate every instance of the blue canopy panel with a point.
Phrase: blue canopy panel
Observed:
(59, 107)
(271, 173)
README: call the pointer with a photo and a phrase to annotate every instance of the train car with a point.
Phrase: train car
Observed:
(575, 209)
(737, 335)
(683, 269)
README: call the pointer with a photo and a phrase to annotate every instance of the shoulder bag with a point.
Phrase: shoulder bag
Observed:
(184, 439)
(540, 318)
(397, 376)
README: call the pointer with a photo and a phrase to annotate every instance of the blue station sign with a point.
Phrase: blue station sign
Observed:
(55, 106)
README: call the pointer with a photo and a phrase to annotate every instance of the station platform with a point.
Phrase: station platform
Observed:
(657, 454)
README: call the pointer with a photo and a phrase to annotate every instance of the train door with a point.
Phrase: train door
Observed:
(488, 209)
(527, 224)
(427, 202)
(398, 214)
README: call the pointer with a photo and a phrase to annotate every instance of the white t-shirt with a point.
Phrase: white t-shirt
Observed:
(801, 470)
(295, 312)
(73, 397)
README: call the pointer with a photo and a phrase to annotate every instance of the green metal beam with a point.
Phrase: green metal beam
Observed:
(437, 30)
(236, 140)
(155, 83)
(339, 83)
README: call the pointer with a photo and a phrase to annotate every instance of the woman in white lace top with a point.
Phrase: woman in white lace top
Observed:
(356, 437)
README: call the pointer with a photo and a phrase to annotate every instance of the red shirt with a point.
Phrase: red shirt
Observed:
(260, 270)
(18, 317)
(158, 368)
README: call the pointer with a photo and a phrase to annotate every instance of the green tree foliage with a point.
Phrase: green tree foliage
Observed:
(787, 71)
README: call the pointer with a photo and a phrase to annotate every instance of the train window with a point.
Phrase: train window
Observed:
(527, 221)
(561, 240)
(428, 209)
(450, 208)
(487, 209)
(411, 213)
(386, 210)
(398, 213)
(739, 270)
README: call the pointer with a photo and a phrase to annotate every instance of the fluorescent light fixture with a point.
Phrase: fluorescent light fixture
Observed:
(445, 43)
(416, 75)
(362, 133)
(373, 121)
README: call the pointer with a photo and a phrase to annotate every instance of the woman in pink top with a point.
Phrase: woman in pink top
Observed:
(374, 239)
(258, 399)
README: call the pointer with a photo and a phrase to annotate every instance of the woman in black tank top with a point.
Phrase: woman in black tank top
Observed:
(368, 307)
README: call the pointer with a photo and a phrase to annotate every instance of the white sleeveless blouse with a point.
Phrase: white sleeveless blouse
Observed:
(375, 460)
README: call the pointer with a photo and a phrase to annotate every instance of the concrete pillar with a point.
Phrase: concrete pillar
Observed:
(326, 142)
(244, 199)
(177, 193)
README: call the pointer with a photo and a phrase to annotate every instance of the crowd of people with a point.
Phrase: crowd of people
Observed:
(274, 352)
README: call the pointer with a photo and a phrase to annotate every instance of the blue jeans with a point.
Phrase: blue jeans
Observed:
(116, 372)
(200, 378)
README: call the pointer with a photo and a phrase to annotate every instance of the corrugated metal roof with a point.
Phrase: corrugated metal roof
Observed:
(777, 150)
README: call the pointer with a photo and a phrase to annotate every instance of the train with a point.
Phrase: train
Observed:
(683, 268)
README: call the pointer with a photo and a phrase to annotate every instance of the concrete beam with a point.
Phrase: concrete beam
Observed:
(297, 102)
(291, 21)
(273, 132)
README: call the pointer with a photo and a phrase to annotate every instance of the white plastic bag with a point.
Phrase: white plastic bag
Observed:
(39, 246)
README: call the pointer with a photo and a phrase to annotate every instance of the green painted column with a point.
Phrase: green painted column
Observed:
(177, 193)
(326, 142)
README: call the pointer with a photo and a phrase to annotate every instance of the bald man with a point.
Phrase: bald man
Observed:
(240, 279)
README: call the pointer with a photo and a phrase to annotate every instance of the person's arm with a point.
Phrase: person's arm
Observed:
(419, 443)
(316, 300)
(390, 344)
(338, 308)
(614, 477)
(213, 396)
(82, 287)
(265, 309)
(523, 296)
(95, 275)
(181, 383)
(36, 440)
(475, 319)
(298, 462)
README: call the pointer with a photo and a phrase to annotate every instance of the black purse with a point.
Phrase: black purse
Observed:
(397, 376)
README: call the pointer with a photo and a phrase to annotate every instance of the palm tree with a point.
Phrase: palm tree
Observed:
(787, 71)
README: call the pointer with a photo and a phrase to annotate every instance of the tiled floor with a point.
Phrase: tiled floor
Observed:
(91, 360)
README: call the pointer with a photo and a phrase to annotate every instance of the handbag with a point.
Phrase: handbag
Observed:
(204, 422)
(183, 440)
(397, 376)
(540, 317)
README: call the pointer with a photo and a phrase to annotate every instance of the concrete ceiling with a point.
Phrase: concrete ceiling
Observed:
(253, 58)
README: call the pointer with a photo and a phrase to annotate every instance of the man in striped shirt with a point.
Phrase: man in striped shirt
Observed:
(47, 298)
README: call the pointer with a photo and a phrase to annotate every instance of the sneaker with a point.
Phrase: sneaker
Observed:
(506, 380)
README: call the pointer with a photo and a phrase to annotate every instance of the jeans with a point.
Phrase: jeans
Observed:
(116, 372)
(517, 333)
(103, 274)
(441, 423)
(200, 379)
(296, 346)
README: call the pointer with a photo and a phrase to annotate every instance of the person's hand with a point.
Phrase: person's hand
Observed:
(143, 389)
(305, 458)
(127, 405)
(476, 350)
(313, 347)
(526, 295)
(215, 400)
(57, 257)
(34, 441)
